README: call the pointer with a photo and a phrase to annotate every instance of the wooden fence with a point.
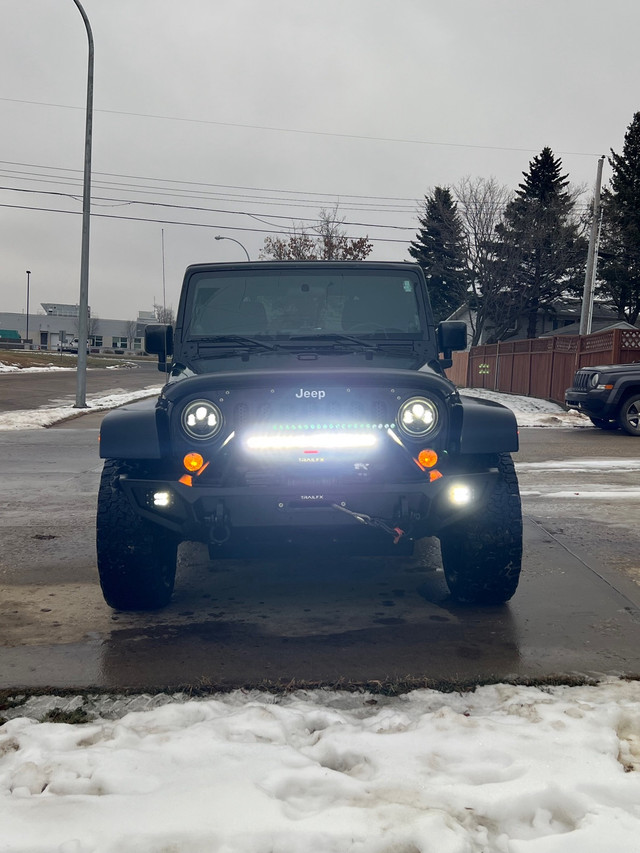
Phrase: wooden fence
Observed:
(542, 367)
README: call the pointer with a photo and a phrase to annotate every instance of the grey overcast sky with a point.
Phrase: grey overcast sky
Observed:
(241, 117)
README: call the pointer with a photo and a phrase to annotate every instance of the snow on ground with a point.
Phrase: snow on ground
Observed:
(46, 368)
(585, 491)
(44, 417)
(13, 368)
(48, 415)
(504, 769)
(531, 411)
(577, 465)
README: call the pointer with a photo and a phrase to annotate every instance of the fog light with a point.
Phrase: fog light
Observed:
(460, 495)
(162, 499)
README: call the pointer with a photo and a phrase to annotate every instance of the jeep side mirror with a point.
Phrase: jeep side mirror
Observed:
(452, 335)
(158, 340)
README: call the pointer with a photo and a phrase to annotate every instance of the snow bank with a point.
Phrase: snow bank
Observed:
(532, 412)
(12, 368)
(36, 418)
(505, 769)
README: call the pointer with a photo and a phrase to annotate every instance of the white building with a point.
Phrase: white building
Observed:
(57, 323)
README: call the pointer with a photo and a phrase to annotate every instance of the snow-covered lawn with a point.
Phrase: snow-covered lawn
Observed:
(44, 417)
(532, 412)
(12, 368)
(506, 769)
(48, 415)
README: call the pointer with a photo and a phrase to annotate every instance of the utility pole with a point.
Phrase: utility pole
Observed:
(83, 308)
(589, 278)
(164, 287)
(26, 337)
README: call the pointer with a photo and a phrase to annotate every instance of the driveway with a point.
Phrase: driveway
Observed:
(312, 620)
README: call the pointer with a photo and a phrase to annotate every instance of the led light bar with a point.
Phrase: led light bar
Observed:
(311, 441)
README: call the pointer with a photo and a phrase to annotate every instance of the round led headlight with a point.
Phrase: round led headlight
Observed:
(418, 416)
(201, 419)
(595, 378)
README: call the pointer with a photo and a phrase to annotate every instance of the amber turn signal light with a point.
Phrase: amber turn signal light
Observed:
(193, 462)
(428, 458)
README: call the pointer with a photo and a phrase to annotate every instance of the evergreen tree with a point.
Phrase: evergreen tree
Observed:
(540, 254)
(619, 264)
(440, 251)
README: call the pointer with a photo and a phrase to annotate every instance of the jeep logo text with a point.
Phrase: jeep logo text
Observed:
(318, 395)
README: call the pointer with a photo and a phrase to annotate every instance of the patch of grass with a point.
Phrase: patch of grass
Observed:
(206, 687)
(26, 358)
(389, 687)
(11, 701)
(73, 718)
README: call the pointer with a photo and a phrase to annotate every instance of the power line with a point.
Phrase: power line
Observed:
(397, 140)
(264, 201)
(329, 196)
(119, 202)
(289, 201)
(175, 222)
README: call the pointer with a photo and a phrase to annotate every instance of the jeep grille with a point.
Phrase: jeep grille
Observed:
(313, 411)
(582, 380)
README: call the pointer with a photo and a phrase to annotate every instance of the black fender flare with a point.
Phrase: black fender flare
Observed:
(625, 388)
(487, 427)
(131, 432)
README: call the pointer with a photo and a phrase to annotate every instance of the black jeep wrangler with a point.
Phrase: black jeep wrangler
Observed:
(609, 395)
(306, 406)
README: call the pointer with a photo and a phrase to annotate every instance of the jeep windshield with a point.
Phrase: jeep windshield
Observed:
(328, 306)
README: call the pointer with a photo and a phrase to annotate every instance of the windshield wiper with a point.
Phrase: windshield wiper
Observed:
(241, 340)
(333, 338)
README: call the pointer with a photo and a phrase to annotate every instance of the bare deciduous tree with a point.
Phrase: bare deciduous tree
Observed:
(164, 314)
(132, 332)
(328, 243)
(93, 322)
(481, 205)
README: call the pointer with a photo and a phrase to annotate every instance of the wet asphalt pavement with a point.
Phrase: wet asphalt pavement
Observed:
(313, 620)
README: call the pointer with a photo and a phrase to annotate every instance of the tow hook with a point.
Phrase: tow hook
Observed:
(219, 529)
(396, 532)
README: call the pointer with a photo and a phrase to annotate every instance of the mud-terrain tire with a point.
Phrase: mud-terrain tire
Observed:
(136, 558)
(629, 415)
(482, 553)
(601, 423)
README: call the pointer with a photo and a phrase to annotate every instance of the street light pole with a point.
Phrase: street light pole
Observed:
(233, 240)
(26, 337)
(586, 314)
(83, 307)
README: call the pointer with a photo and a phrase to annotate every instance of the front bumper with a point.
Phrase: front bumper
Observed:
(593, 403)
(217, 515)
